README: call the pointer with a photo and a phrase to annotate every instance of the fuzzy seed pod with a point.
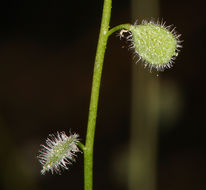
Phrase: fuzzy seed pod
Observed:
(59, 151)
(155, 44)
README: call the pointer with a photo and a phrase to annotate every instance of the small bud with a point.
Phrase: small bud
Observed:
(155, 44)
(59, 151)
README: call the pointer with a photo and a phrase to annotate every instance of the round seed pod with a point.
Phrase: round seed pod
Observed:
(155, 44)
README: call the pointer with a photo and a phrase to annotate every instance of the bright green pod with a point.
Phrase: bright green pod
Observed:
(155, 44)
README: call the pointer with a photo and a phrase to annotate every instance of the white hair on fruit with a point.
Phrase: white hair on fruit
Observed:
(60, 150)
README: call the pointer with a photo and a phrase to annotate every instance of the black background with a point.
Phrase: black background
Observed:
(47, 50)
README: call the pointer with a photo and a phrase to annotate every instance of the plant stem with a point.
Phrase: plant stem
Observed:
(119, 27)
(101, 47)
(98, 65)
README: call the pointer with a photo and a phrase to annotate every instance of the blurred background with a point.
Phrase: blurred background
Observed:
(151, 126)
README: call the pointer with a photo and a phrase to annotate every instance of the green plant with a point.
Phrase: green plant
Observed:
(153, 43)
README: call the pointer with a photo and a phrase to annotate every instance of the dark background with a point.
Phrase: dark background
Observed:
(47, 50)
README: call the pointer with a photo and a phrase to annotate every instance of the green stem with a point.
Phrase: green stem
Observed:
(101, 47)
(119, 27)
(98, 65)
(81, 146)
